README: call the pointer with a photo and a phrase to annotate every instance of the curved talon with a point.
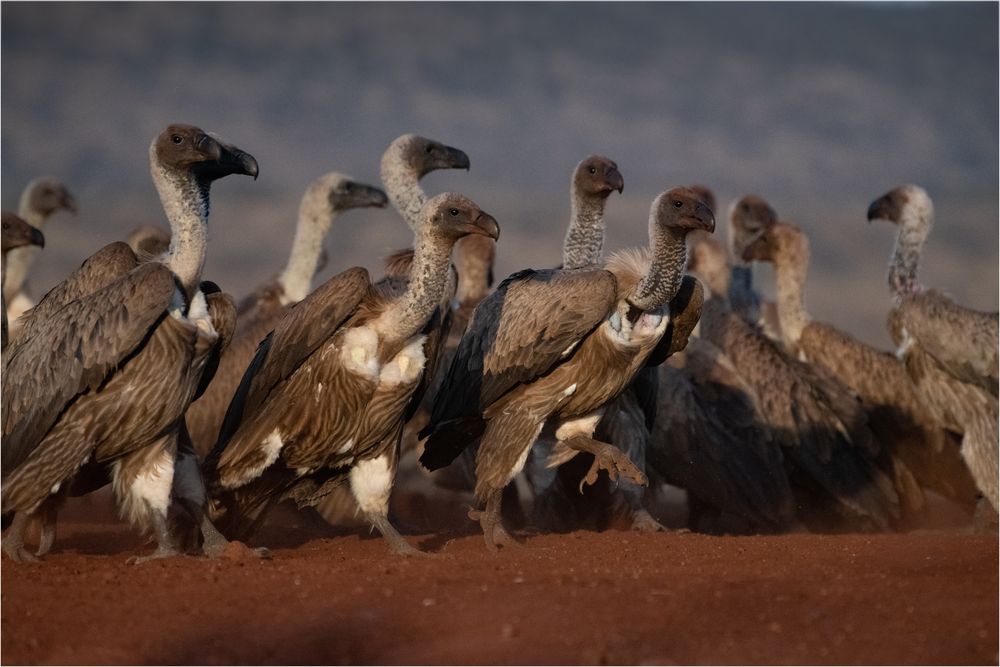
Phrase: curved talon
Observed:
(20, 555)
(161, 552)
(617, 464)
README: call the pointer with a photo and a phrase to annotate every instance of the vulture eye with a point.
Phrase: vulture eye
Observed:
(177, 139)
(593, 170)
(349, 187)
(453, 212)
(745, 207)
(678, 203)
(429, 149)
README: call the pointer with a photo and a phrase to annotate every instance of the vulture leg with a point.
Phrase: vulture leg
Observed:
(47, 514)
(214, 543)
(606, 457)
(142, 481)
(490, 521)
(371, 485)
(13, 541)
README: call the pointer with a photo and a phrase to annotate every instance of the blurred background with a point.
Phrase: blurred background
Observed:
(820, 108)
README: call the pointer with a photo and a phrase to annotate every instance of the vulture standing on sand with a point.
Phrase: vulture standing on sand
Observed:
(828, 449)
(112, 356)
(258, 313)
(404, 163)
(323, 400)
(16, 234)
(920, 451)
(562, 344)
(41, 199)
(950, 352)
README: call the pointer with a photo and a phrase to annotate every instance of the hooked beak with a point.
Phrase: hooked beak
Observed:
(455, 159)
(616, 181)
(485, 225)
(703, 218)
(68, 203)
(371, 196)
(224, 160)
(36, 237)
(881, 209)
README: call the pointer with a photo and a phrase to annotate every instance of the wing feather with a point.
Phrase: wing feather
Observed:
(75, 351)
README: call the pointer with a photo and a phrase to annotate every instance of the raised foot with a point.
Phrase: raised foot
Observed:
(494, 533)
(617, 463)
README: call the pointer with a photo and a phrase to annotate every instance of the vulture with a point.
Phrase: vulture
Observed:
(561, 344)
(323, 400)
(41, 199)
(324, 200)
(920, 452)
(404, 163)
(16, 234)
(748, 217)
(829, 451)
(112, 356)
(949, 351)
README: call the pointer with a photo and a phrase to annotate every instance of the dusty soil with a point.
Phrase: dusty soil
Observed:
(584, 597)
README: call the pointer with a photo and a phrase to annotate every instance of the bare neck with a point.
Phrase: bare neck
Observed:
(668, 250)
(402, 185)
(428, 280)
(186, 206)
(791, 266)
(315, 219)
(584, 240)
(913, 230)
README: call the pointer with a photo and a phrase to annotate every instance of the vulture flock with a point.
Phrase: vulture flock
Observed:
(659, 365)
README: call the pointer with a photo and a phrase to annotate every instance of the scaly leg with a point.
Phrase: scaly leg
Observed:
(13, 541)
(164, 542)
(47, 516)
(397, 544)
(492, 524)
(214, 543)
(606, 457)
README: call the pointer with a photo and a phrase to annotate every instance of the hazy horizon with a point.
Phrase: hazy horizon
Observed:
(818, 107)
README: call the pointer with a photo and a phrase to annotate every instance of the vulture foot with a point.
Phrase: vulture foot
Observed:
(606, 457)
(13, 541)
(492, 524)
(397, 544)
(215, 545)
(47, 530)
(161, 552)
(644, 522)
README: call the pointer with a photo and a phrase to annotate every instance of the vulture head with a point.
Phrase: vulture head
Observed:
(897, 203)
(780, 240)
(597, 176)
(46, 195)
(682, 208)
(748, 218)
(706, 195)
(451, 216)
(17, 233)
(191, 149)
(338, 192)
(422, 155)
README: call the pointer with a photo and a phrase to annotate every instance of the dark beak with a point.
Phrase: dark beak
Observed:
(453, 158)
(705, 218)
(372, 196)
(68, 203)
(615, 180)
(36, 237)
(486, 225)
(881, 209)
(224, 160)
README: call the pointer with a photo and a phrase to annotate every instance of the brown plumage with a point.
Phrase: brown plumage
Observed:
(829, 450)
(324, 200)
(917, 450)
(559, 343)
(950, 352)
(748, 217)
(324, 399)
(16, 234)
(113, 361)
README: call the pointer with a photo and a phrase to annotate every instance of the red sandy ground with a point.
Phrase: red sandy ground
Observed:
(584, 597)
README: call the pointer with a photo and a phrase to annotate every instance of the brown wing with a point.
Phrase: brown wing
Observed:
(99, 270)
(531, 323)
(75, 351)
(685, 311)
(306, 326)
(962, 340)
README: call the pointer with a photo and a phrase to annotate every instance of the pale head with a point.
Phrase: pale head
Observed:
(451, 216)
(748, 218)
(17, 233)
(906, 203)
(421, 155)
(339, 192)
(46, 195)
